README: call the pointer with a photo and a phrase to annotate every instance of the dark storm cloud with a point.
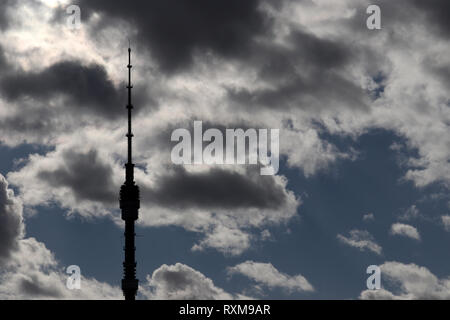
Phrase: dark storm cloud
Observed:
(11, 226)
(437, 13)
(310, 71)
(306, 51)
(174, 29)
(4, 19)
(3, 63)
(320, 52)
(216, 188)
(298, 93)
(86, 87)
(86, 175)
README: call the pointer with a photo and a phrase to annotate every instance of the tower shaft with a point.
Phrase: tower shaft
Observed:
(129, 204)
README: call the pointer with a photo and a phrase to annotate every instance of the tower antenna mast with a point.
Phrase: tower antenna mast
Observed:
(129, 204)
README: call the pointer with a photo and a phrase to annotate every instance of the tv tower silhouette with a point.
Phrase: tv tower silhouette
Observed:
(129, 204)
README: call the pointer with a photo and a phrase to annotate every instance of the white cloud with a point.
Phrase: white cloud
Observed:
(226, 240)
(305, 150)
(368, 217)
(181, 282)
(409, 281)
(405, 230)
(266, 235)
(446, 222)
(410, 213)
(267, 275)
(362, 240)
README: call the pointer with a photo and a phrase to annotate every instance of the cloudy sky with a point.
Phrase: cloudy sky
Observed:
(364, 119)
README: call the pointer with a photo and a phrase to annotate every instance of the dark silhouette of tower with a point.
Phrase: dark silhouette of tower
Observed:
(129, 204)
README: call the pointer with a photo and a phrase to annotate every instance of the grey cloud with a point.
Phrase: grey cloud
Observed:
(216, 188)
(437, 14)
(306, 50)
(180, 282)
(321, 52)
(440, 70)
(3, 62)
(11, 226)
(4, 19)
(312, 73)
(32, 287)
(85, 174)
(301, 91)
(36, 123)
(87, 87)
